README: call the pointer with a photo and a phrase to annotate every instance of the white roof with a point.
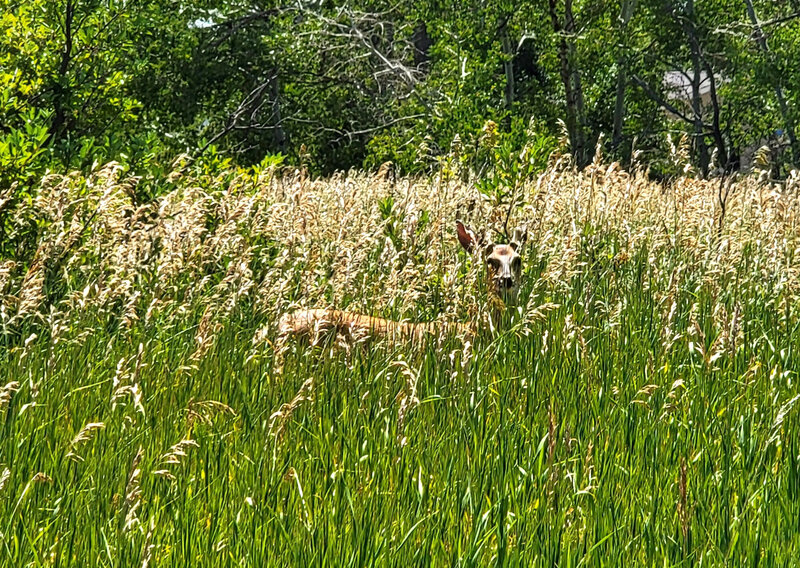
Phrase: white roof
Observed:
(678, 84)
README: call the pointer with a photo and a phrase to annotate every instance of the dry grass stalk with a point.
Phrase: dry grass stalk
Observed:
(125, 385)
(133, 493)
(4, 476)
(280, 418)
(406, 397)
(84, 435)
(203, 411)
(174, 456)
(6, 392)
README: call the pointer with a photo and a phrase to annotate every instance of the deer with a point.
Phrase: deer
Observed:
(503, 278)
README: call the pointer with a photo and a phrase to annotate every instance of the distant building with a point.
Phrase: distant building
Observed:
(678, 88)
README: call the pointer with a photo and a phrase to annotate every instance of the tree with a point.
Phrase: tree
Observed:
(564, 28)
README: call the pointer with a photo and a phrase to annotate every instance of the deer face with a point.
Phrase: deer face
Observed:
(504, 270)
(503, 262)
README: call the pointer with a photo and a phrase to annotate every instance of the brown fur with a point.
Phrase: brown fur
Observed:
(313, 323)
(504, 271)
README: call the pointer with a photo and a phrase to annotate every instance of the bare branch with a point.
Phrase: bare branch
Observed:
(781, 20)
(349, 29)
(387, 124)
(255, 96)
(661, 101)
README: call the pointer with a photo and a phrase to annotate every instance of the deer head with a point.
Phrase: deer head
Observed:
(503, 261)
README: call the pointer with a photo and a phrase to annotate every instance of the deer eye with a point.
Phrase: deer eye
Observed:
(493, 263)
(516, 263)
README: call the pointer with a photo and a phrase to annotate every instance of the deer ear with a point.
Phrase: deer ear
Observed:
(520, 237)
(466, 236)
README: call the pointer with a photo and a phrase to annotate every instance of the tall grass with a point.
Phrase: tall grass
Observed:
(638, 409)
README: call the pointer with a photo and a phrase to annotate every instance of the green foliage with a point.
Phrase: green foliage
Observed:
(332, 87)
(21, 147)
(504, 168)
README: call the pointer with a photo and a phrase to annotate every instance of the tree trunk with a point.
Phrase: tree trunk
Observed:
(701, 148)
(60, 90)
(626, 12)
(716, 128)
(278, 134)
(570, 77)
(508, 63)
(788, 120)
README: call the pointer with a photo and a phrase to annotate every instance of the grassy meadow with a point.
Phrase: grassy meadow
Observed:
(638, 408)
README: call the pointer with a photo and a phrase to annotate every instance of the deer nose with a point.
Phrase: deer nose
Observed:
(506, 282)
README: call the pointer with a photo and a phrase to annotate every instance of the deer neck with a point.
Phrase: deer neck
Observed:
(498, 310)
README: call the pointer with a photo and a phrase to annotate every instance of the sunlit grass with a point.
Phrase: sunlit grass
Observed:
(638, 409)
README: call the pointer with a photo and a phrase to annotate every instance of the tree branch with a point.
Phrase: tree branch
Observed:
(232, 26)
(781, 19)
(243, 108)
(650, 92)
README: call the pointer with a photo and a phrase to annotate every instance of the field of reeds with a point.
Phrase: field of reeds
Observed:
(638, 408)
